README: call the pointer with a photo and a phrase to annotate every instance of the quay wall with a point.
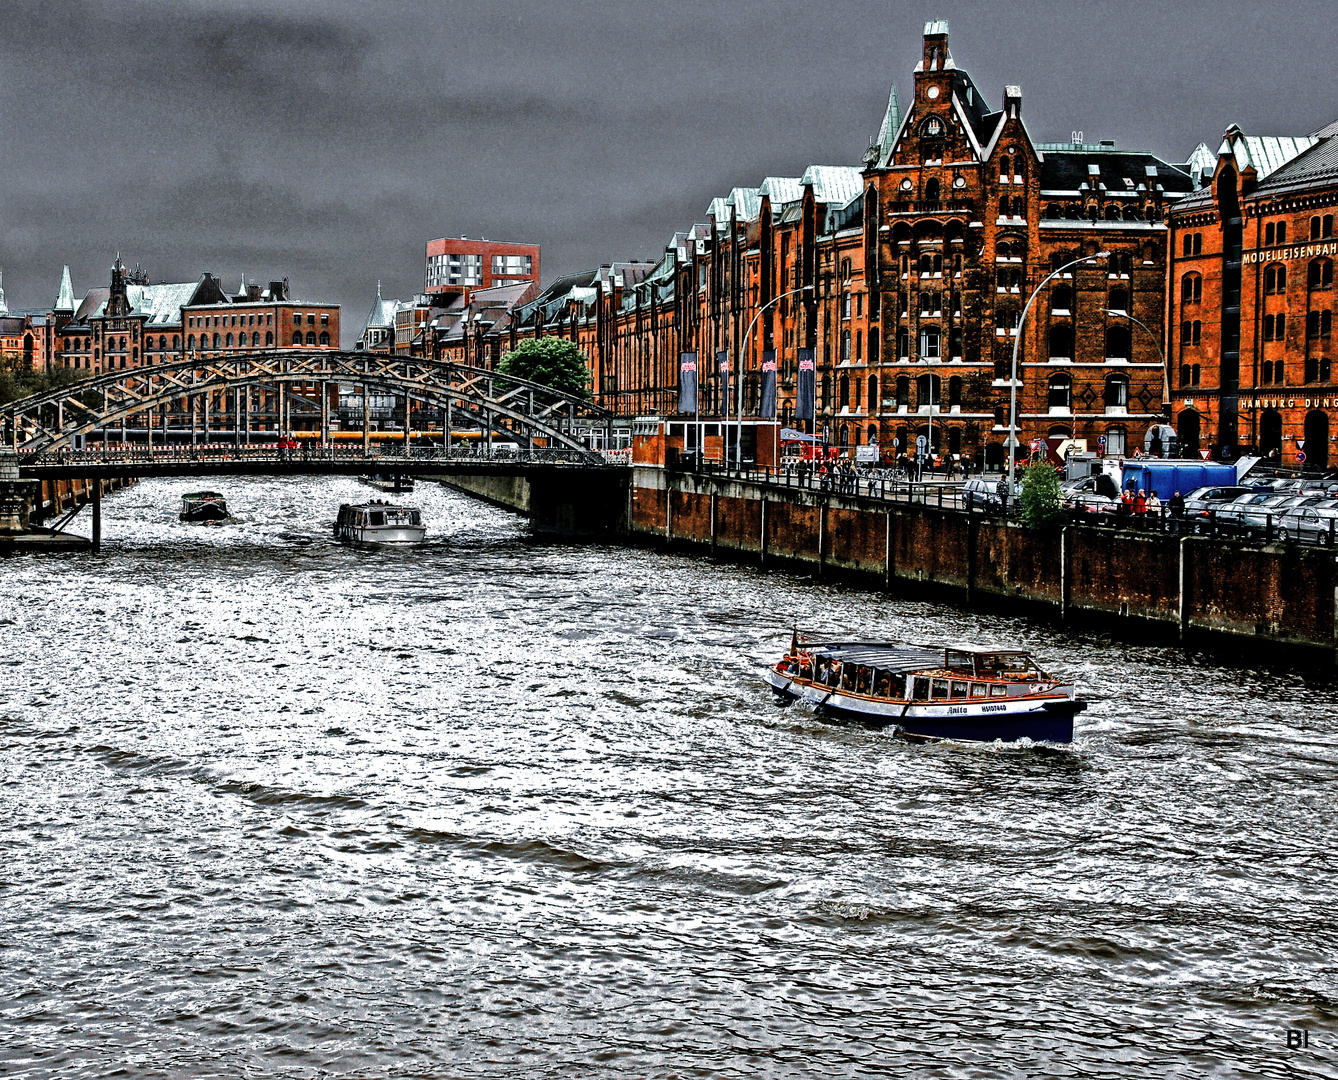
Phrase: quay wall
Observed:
(1155, 586)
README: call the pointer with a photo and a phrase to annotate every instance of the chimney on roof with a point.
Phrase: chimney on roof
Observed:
(936, 45)
(278, 290)
(1013, 100)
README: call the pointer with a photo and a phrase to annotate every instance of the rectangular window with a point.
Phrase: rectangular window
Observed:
(1268, 327)
(998, 690)
(512, 265)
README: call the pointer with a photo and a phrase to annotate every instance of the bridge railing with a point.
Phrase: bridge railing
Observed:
(379, 458)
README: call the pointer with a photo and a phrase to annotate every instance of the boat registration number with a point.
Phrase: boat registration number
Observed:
(993, 708)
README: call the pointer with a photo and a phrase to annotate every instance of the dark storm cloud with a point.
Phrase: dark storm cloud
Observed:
(326, 141)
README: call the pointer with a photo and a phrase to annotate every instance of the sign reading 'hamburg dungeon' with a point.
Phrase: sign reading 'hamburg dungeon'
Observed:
(687, 382)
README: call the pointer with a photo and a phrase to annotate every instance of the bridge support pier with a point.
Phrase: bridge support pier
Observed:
(97, 516)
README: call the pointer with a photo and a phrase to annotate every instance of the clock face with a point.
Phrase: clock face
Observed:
(906, 185)
(932, 91)
(960, 182)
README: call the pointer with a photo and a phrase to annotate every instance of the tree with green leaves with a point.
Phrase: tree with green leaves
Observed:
(1040, 499)
(553, 361)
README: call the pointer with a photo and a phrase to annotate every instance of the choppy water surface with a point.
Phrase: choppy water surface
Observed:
(272, 806)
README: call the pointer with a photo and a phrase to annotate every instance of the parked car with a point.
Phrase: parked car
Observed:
(1199, 501)
(1091, 494)
(1315, 523)
(982, 493)
(1231, 515)
(1257, 518)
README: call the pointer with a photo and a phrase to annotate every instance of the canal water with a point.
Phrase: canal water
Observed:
(276, 807)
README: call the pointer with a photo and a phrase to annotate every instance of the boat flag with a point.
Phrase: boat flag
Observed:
(722, 363)
(687, 382)
(768, 408)
(807, 389)
(794, 641)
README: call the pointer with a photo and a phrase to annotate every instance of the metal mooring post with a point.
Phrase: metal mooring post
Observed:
(97, 515)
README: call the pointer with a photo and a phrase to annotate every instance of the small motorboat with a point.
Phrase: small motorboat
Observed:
(379, 522)
(391, 483)
(962, 692)
(204, 508)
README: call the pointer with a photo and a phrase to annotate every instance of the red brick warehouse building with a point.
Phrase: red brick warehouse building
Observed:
(917, 267)
(970, 216)
(1252, 298)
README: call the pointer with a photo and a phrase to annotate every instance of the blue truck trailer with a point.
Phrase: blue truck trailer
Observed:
(1166, 477)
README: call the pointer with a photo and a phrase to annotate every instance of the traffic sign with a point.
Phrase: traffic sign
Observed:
(920, 443)
(1101, 441)
(1300, 457)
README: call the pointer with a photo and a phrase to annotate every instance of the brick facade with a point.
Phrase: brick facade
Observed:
(1251, 300)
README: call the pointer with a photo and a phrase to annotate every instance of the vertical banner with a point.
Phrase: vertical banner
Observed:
(807, 389)
(768, 408)
(687, 382)
(722, 363)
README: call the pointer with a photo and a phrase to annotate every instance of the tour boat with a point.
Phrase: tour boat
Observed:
(392, 483)
(378, 522)
(977, 695)
(204, 508)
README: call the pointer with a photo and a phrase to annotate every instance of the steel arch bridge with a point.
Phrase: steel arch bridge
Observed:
(496, 403)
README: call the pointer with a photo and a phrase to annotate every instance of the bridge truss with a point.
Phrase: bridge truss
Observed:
(188, 391)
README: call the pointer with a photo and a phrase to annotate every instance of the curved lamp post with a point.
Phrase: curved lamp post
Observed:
(738, 375)
(1165, 371)
(1011, 448)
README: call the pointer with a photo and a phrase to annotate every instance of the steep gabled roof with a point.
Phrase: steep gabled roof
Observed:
(835, 185)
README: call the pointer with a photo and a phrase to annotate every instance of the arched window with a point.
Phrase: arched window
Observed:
(872, 434)
(930, 343)
(845, 391)
(122, 345)
(1121, 263)
(1191, 289)
(1061, 299)
(873, 393)
(903, 343)
(826, 401)
(925, 386)
(845, 435)
(1112, 212)
(1118, 343)
(297, 337)
(955, 391)
(1119, 300)
(903, 392)
(952, 232)
(845, 269)
(932, 190)
(1117, 392)
(176, 341)
(845, 346)
(1275, 327)
(1319, 274)
(228, 341)
(1019, 207)
(311, 337)
(1006, 318)
(955, 342)
(190, 342)
(325, 338)
(134, 354)
(1061, 342)
(269, 337)
(1318, 324)
(1275, 279)
(1054, 210)
(1059, 395)
(215, 341)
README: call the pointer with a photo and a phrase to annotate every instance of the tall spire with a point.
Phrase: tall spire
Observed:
(65, 298)
(891, 125)
(4, 308)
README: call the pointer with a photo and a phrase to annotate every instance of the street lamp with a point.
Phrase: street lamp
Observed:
(1165, 371)
(1011, 448)
(738, 377)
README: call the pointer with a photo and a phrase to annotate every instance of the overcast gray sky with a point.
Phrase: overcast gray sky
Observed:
(326, 142)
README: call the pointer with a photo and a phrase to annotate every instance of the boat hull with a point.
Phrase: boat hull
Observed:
(1038, 718)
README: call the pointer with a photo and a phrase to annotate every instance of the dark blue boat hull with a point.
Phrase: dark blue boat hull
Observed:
(1054, 724)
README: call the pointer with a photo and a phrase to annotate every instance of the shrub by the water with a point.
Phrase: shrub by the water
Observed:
(1040, 496)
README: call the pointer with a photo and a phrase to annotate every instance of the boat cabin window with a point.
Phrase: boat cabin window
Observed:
(921, 689)
(998, 690)
(1007, 663)
(958, 660)
(415, 517)
(378, 517)
(938, 688)
(979, 689)
(959, 689)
